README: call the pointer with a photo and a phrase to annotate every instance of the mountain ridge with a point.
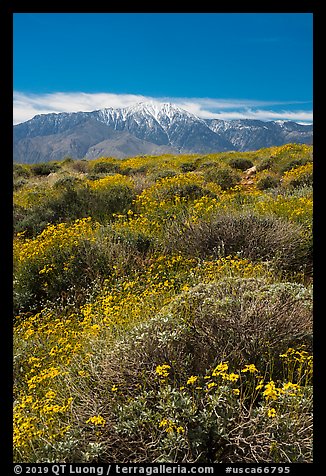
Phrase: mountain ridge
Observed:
(145, 128)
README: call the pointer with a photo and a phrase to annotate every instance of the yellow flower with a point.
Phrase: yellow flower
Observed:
(162, 370)
(220, 368)
(260, 385)
(29, 333)
(211, 384)
(168, 424)
(250, 368)
(50, 395)
(169, 429)
(271, 413)
(271, 392)
(163, 422)
(114, 388)
(180, 429)
(82, 373)
(52, 408)
(236, 391)
(291, 388)
(231, 377)
(97, 420)
(289, 352)
(191, 380)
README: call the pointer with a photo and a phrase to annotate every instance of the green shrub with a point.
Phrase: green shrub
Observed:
(45, 168)
(114, 199)
(106, 168)
(80, 166)
(93, 177)
(19, 183)
(224, 177)
(73, 202)
(208, 164)
(67, 160)
(20, 170)
(265, 164)
(19, 214)
(267, 181)
(137, 241)
(164, 174)
(189, 191)
(200, 325)
(67, 182)
(241, 164)
(33, 221)
(187, 167)
(127, 171)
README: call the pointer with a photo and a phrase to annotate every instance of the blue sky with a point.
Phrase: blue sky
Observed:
(214, 65)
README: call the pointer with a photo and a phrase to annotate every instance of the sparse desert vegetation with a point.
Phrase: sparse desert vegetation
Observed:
(163, 308)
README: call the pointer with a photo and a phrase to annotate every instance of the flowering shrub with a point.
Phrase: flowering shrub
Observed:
(49, 264)
(299, 176)
(110, 181)
(187, 186)
(290, 207)
(292, 150)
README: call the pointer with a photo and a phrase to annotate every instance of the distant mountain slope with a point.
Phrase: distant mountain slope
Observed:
(146, 128)
(248, 134)
(88, 139)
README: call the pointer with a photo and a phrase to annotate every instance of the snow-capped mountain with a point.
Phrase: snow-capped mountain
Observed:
(145, 128)
(164, 124)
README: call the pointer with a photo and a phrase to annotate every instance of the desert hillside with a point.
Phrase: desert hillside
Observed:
(163, 308)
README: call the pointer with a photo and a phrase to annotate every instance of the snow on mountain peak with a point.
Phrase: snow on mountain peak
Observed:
(157, 109)
(162, 113)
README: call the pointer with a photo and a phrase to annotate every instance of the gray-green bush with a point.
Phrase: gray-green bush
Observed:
(245, 234)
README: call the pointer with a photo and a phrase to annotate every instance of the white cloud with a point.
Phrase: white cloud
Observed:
(266, 115)
(27, 106)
